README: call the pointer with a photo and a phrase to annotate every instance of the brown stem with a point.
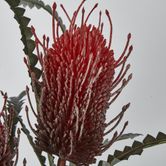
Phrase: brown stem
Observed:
(61, 162)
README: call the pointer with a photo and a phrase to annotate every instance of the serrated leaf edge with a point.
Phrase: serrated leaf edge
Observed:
(124, 155)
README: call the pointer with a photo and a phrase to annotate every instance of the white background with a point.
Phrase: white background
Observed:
(145, 19)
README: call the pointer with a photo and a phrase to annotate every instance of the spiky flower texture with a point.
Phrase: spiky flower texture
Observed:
(78, 86)
(8, 141)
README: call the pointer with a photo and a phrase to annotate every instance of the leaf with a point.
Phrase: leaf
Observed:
(29, 44)
(40, 4)
(16, 103)
(71, 164)
(114, 161)
(103, 163)
(136, 148)
(50, 160)
(128, 136)
(37, 72)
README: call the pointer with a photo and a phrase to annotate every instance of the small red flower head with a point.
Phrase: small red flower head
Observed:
(78, 86)
(8, 142)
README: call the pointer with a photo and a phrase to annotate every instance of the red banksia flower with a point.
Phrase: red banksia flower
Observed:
(8, 143)
(78, 85)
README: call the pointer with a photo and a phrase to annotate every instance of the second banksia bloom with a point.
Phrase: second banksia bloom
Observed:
(8, 141)
(78, 85)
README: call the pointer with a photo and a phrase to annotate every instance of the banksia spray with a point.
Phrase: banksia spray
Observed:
(8, 141)
(78, 86)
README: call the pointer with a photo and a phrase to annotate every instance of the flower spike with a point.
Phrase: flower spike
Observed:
(78, 85)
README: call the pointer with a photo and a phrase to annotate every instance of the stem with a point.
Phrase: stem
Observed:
(50, 159)
(61, 162)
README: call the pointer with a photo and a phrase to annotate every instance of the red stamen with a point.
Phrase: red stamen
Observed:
(75, 15)
(83, 14)
(38, 53)
(37, 47)
(124, 51)
(53, 21)
(102, 25)
(124, 127)
(36, 38)
(40, 58)
(111, 28)
(64, 10)
(26, 63)
(105, 147)
(91, 12)
(47, 45)
(118, 92)
(115, 125)
(44, 44)
(57, 33)
(57, 30)
(124, 108)
(29, 123)
(121, 70)
(29, 100)
(99, 20)
(120, 77)
(129, 52)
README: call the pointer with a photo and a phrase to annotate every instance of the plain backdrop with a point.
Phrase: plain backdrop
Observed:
(146, 20)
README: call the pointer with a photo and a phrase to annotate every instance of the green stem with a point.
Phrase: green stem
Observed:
(50, 159)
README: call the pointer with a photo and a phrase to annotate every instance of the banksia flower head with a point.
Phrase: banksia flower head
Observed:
(8, 142)
(78, 85)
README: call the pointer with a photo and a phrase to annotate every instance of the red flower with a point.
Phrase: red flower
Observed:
(78, 86)
(8, 142)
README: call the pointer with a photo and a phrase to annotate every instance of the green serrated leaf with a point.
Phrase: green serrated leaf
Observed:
(137, 143)
(117, 152)
(71, 164)
(137, 147)
(161, 136)
(48, 7)
(37, 71)
(30, 45)
(103, 163)
(106, 141)
(25, 21)
(21, 95)
(51, 160)
(28, 33)
(114, 161)
(110, 158)
(17, 102)
(127, 148)
(20, 11)
(25, 30)
(148, 139)
(33, 60)
(128, 136)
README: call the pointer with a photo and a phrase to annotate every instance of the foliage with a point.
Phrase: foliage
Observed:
(17, 104)
(29, 44)
(136, 149)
